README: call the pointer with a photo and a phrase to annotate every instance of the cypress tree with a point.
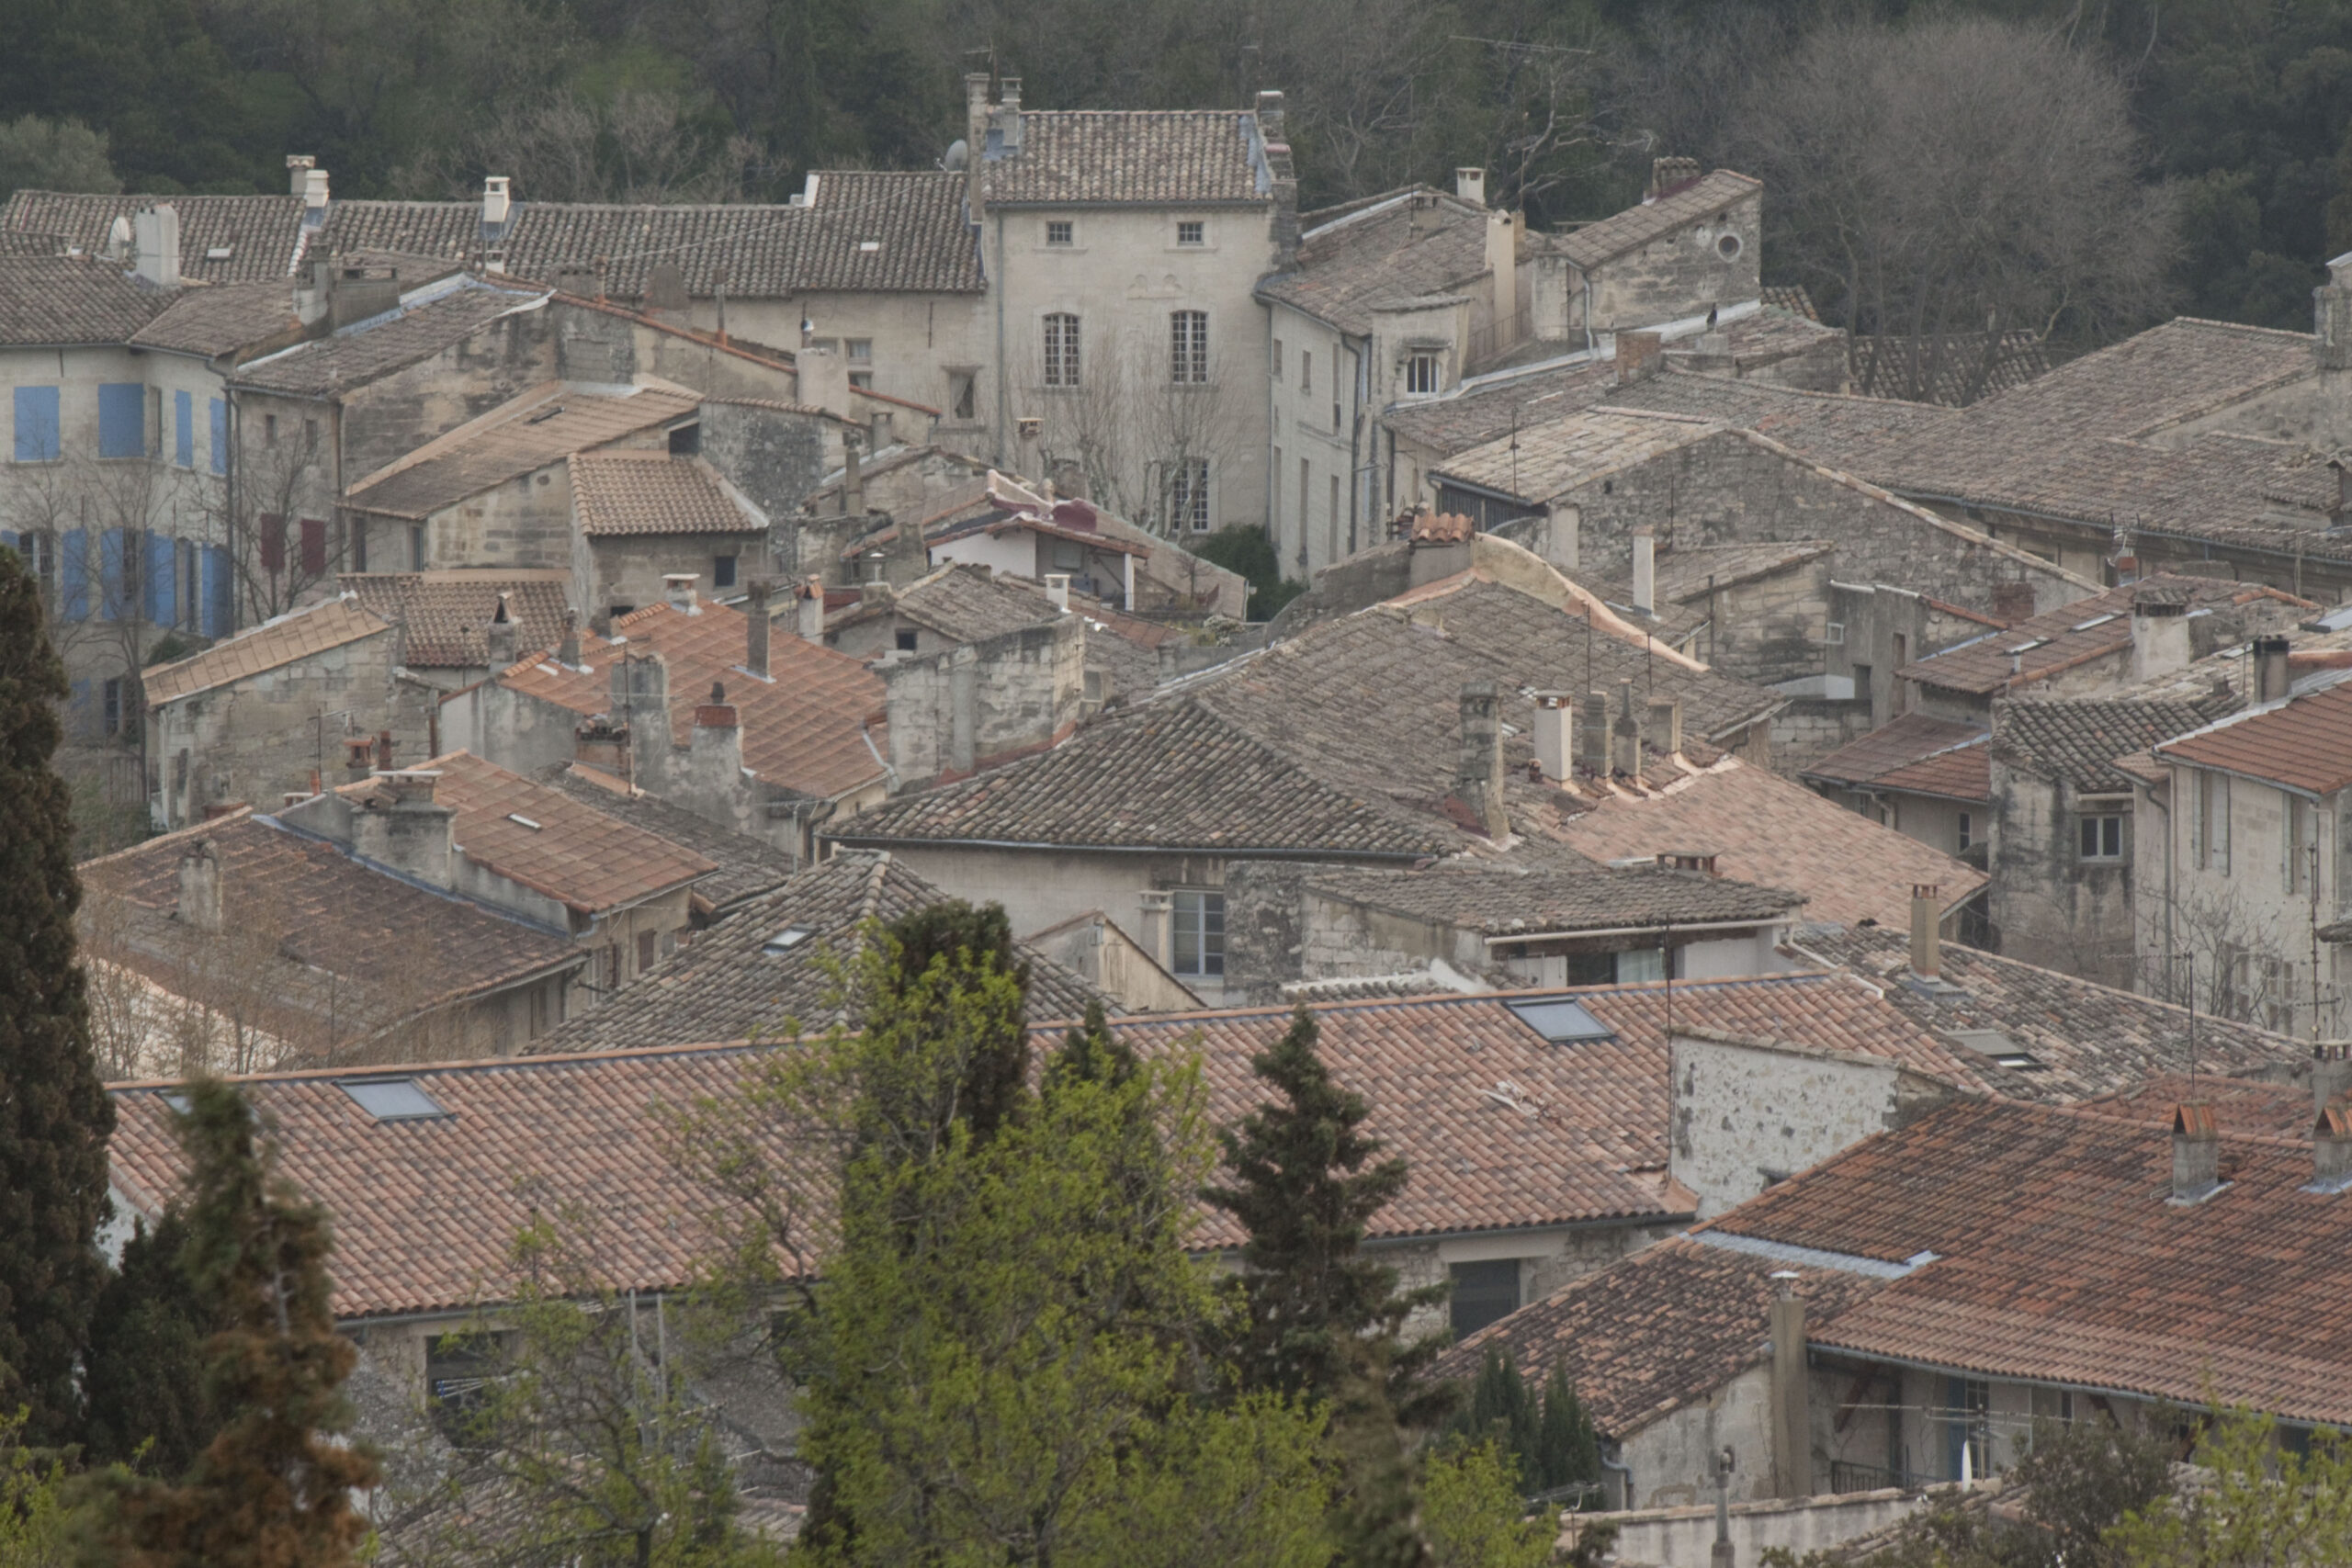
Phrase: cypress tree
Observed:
(940, 949)
(54, 1114)
(1323, 1320)
(1567, 1447)
(144, 1384)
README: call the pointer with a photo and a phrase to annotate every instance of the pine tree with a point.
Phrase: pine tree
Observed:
(143, 1389)
(272, 1489)
(54, 1114)
(1324, 1321)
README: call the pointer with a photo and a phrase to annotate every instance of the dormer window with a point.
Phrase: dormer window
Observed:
(1423, 372)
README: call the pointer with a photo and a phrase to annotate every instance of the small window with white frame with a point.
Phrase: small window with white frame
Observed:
(1059, 231)
(1192, 231)
(2099, 831)
(1196, 943)
(1424, 373)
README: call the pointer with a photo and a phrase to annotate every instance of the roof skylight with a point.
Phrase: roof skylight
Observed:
(784, 940)
(1562, 1021)
(392, 1099)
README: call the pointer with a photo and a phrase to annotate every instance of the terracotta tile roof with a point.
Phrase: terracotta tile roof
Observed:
(223, 319)
(1408, 243)
(2078, 741)
(392, 948)
(1666, 1327)
(963, 603)
(1440, 528)
(740, 980)
(2304, 742)
(633, 492)
(1503, 903)
(262, 234)
(2239, 1105)
(2059, 1258)
(815, 728)
(426, 1210)
(2020, 356)
(1794, 297)
(589, 861)
(1898, 743)
(2088, 1039)
(381, 345)
(1765, 829)
(2094, 629)
(526, 432)
(1836, 428)
(446, 613)
(1637, 226)
(914, 221)
(1687, 575)
(1153, 156)
(1962, 772)
(51, 302)
(748, 867)
(295, 635)
(1552, 456)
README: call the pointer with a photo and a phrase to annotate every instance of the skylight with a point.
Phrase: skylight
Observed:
(1562, 1021)
(784, 940)
(218, 252)
(175, 1100)
(516, 817)
(2094, 621)
(392, 1099)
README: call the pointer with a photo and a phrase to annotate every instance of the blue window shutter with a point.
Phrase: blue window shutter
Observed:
(162, 579)
(184, 430)
(76, 571)
(219, 436)
(111, 561)
(122, 420)
(36, 425)
(217, 602)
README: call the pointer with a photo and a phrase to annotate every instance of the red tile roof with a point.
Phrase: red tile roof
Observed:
(2303, 743)
(1898, 743)
(444, 615)
(274, 643)
(637, 491)
(1959, 772)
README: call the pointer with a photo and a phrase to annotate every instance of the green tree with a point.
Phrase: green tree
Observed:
(42, 154)
(36, 1518)
(2262, 1500)
(272, 1489)
(1322, 1320)
(1548, 1437)
(144, 1378)
(54, 1114)
(1244, 547)
(1472, 1513)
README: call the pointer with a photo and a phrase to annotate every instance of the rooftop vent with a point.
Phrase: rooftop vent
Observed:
(2195, 1154)
(392, 1099)
(784, 940)
(1562, 1021)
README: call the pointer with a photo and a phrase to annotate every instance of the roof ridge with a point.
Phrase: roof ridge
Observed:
(358, 1072)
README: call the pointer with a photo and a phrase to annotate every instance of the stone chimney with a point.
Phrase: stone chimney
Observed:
(1791, 1391)
(853, 475)
(1006, 118)
(1646, 573)
(403, 829)
(2160, 644)
(1626, 736)
(1057, 591)
(1470, 185)
(756, 630)
(975, 141)
(358, 758)
(821, 378)
(1664, 733)
(1502, 263)
(501, 635)
(156, 246)
(2331, 1073)
(1638, 356)
(639, 706)
(1667, 172)
(200, 906)
(1273, 132)
(384, 752)
(2331, 1148)
(678, 587)
(2012, 603)
(1478, 775)
(2332, 310)
(2270, 677)
(809, 606)
(1927, 931)
(298, 168)
(1592, 734)
(567, 652)
(2196, 1153)
(1555, 726)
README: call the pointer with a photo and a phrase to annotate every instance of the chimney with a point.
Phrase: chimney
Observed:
(878, 430)
(714, 753)
(2332, 307)
(402, 827)
(2342, 510)
(157, 246)
(1470, 185)
(810, 608)
(1592, 734)
(495, 206)
(1555, 721)
(567, 652)
(1646, 573)
(639, 706)
(1007, 117)
(1927, 931)
(852, 475)
(1502, 264)
(2196, 1153)
(976, 137)
(501, 635)
(358, 758)
(2159, 631)
(1791, 1391)
(1057, 591)
(1665, 732)
(756, 630)
(821, 377)
(1274, 134)
(678, 587)
(384, 752)
(200, 906)
(1626, 736)
(1667, 172)
(2270, 669)
(2012, 603)
(298, 169)
(1478, 776)
(2331, 1145)
(1638, 356)
(314, 197)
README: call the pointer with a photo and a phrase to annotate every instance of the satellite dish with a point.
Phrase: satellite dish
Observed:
(119, 239)
(958, 156)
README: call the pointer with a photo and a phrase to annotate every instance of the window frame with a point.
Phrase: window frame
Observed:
(1061, 233)
(1188, 348)
(2095, 832)
(1196, 907)
(1193, 234)
(1424, 373)
(40, 424)
(122, 420)
(1484, 1277)
(1065, 359)
(1188, 495)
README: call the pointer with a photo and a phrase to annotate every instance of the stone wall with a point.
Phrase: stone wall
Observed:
(773, 457)
(628, 568)
(986, 703)
(1684, 1537)
(1767, 628)
(1547, 1259)
(393, 414)
(1679, 273)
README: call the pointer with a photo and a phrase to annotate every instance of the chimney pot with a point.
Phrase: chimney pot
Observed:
(157, 243)
(679, 586)
(2160, 641)
(1058, 589)
(501, 635)
(1927, 930)
(298, 168)
(1555, 723)
(1470, 185)
(2270, 676)
(2332, 1147)
(756, 628)
(567, 652)
(2196, 1153)
(384, 752)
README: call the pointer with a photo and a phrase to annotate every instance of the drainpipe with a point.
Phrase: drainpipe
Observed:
(998, 284)
(1622, 1468)
(1355, 454)
(1272, 523)
(2159, 805)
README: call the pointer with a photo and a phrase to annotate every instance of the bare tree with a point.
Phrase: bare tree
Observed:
(638, 146)
(1946, 183)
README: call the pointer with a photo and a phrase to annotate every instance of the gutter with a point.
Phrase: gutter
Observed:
(883, 842)
(1666, 928)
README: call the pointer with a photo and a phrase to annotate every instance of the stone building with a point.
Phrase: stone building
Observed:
(639, 516)
(1695, 244)
(451, 635)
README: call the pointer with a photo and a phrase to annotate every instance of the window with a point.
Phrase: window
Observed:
(220, 435)
(1421, 375)
(2301, 818)
(1482, 1293)
(784, 940)
(1188, 494)
(314, 547)
(963, 394)
(1305, 370)
(459, 1369)
(1728, 247)
(1192, 231)
(1306, 477)
(269, 429)
(1278, 486)
(110, 712)
(860, 350)
(273, 543)
(645, 951)
(1278, 360)
(218, 604)
(2102, 836)
(1198, 942)
(122, 420)
(1332, 528)
(151, 435)
(906, 639)
(1188, 347)
(417, 547)
(722, 571)
(359, 544)
(36, 425)
(184, 430)
(1562, 1021)
(161, 579)
(685, 440)
(1966, 836)
(1057, 231)
(310, 436)
(2212, 822)
(1061, 351)
(1971, 1437)
(392, 1099)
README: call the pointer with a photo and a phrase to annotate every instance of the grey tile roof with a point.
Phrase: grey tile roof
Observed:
(963, 603)
(260, 235)
(724, 985)
(1834, 428)
(55, 301)
(1152, 156)
(1472, 418)
(1902, 741)
(1687, 575)
(446, 613)
(1370, 258)
(1550, 456)
(527, 432)
(748, 867)
(1637, 226)
(2099, 627)
(2077, 742)
(638, 492)
(1500, 902)
(224, 319)
(365, 350)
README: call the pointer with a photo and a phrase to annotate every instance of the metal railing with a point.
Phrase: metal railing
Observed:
(1847, 1475)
